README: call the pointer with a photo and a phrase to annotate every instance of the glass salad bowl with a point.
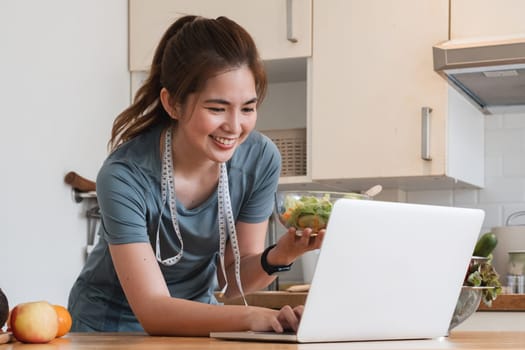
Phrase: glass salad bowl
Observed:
(302, 209)
(481, 284)
(468, 302)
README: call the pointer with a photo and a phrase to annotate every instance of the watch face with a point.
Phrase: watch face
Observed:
(279, 269)
(282, 268)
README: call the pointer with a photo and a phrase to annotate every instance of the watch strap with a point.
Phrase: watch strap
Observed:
(271, 269)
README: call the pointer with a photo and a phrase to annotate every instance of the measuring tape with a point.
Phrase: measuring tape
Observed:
(225, 216)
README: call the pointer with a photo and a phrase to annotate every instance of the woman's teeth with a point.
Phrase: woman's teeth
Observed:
(224, 141)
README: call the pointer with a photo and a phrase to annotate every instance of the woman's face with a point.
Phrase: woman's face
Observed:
(219, 118)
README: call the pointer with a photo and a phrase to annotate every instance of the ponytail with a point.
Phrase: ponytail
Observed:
(191, 51)
(146, 109)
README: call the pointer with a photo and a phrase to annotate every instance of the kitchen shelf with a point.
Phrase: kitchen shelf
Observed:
(506, 302)
(269, 299)
(277, 299)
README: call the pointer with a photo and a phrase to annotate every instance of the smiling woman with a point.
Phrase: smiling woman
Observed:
(186, 194)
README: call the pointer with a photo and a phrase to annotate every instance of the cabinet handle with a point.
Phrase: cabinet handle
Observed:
(289, 22)
(426, 113)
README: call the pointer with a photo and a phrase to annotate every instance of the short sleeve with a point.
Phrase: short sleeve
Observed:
(121, 197)
(258, 206)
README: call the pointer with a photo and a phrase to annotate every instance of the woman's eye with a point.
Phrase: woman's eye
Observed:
(216, 109)
(248, 110)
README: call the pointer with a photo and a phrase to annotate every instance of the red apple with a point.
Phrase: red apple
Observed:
(34, 322)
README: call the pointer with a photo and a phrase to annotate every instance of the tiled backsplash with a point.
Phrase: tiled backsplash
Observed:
(504, 190)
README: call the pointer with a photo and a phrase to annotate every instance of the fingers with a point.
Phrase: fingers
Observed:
(310, 240)
(289, 318)
(298, 310)
(293, 244)
(299, 241)
(304, 239)
(284, 319)
(263, 319)
(316, 244)
(276, 325)
(292, 232)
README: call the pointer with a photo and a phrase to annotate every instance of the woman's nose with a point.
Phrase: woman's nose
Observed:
(233, 122)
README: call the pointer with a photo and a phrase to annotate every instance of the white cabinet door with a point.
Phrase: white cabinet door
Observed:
(281, 28)
(482, 18)
(372, 73)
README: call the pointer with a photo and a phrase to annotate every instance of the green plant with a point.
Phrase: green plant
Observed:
(483, 274)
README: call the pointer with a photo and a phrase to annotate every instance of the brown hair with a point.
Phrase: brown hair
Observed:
(192, 50)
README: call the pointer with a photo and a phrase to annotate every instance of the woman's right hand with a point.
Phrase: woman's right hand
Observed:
(287, 318)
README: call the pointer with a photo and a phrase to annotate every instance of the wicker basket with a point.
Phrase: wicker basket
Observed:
(292, 145)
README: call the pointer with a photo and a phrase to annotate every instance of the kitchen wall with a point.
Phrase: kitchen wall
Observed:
(64, 78)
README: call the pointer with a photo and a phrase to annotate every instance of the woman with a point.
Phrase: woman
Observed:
(186, 194)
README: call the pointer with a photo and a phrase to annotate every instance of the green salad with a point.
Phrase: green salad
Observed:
(309, 211)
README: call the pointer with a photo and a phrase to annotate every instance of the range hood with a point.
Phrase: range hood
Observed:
(490, 72)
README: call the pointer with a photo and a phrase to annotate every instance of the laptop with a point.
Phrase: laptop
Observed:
(385, 271)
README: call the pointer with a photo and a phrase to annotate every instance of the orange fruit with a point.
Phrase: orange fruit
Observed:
(64, 320)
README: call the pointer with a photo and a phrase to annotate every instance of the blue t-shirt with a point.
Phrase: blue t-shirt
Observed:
(129, 196)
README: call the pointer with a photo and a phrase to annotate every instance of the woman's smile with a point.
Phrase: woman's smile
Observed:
(224, 141)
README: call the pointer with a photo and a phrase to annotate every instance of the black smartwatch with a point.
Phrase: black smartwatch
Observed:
(271, 269)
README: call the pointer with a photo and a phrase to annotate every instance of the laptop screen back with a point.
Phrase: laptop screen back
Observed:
(389, 271)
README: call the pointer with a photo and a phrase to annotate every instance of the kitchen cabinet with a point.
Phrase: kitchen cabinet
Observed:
(356, 90)
(371, 76)
(281, 28)
(482, 18)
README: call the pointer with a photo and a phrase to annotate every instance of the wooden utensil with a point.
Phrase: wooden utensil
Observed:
(373, 191)
(298, 288)
(79, 183)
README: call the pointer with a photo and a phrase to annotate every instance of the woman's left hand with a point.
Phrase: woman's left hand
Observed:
(291, 245)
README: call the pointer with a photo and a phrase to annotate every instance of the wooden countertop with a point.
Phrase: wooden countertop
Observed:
(131, 341)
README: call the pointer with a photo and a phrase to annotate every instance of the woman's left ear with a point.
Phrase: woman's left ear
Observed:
(166, 103)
